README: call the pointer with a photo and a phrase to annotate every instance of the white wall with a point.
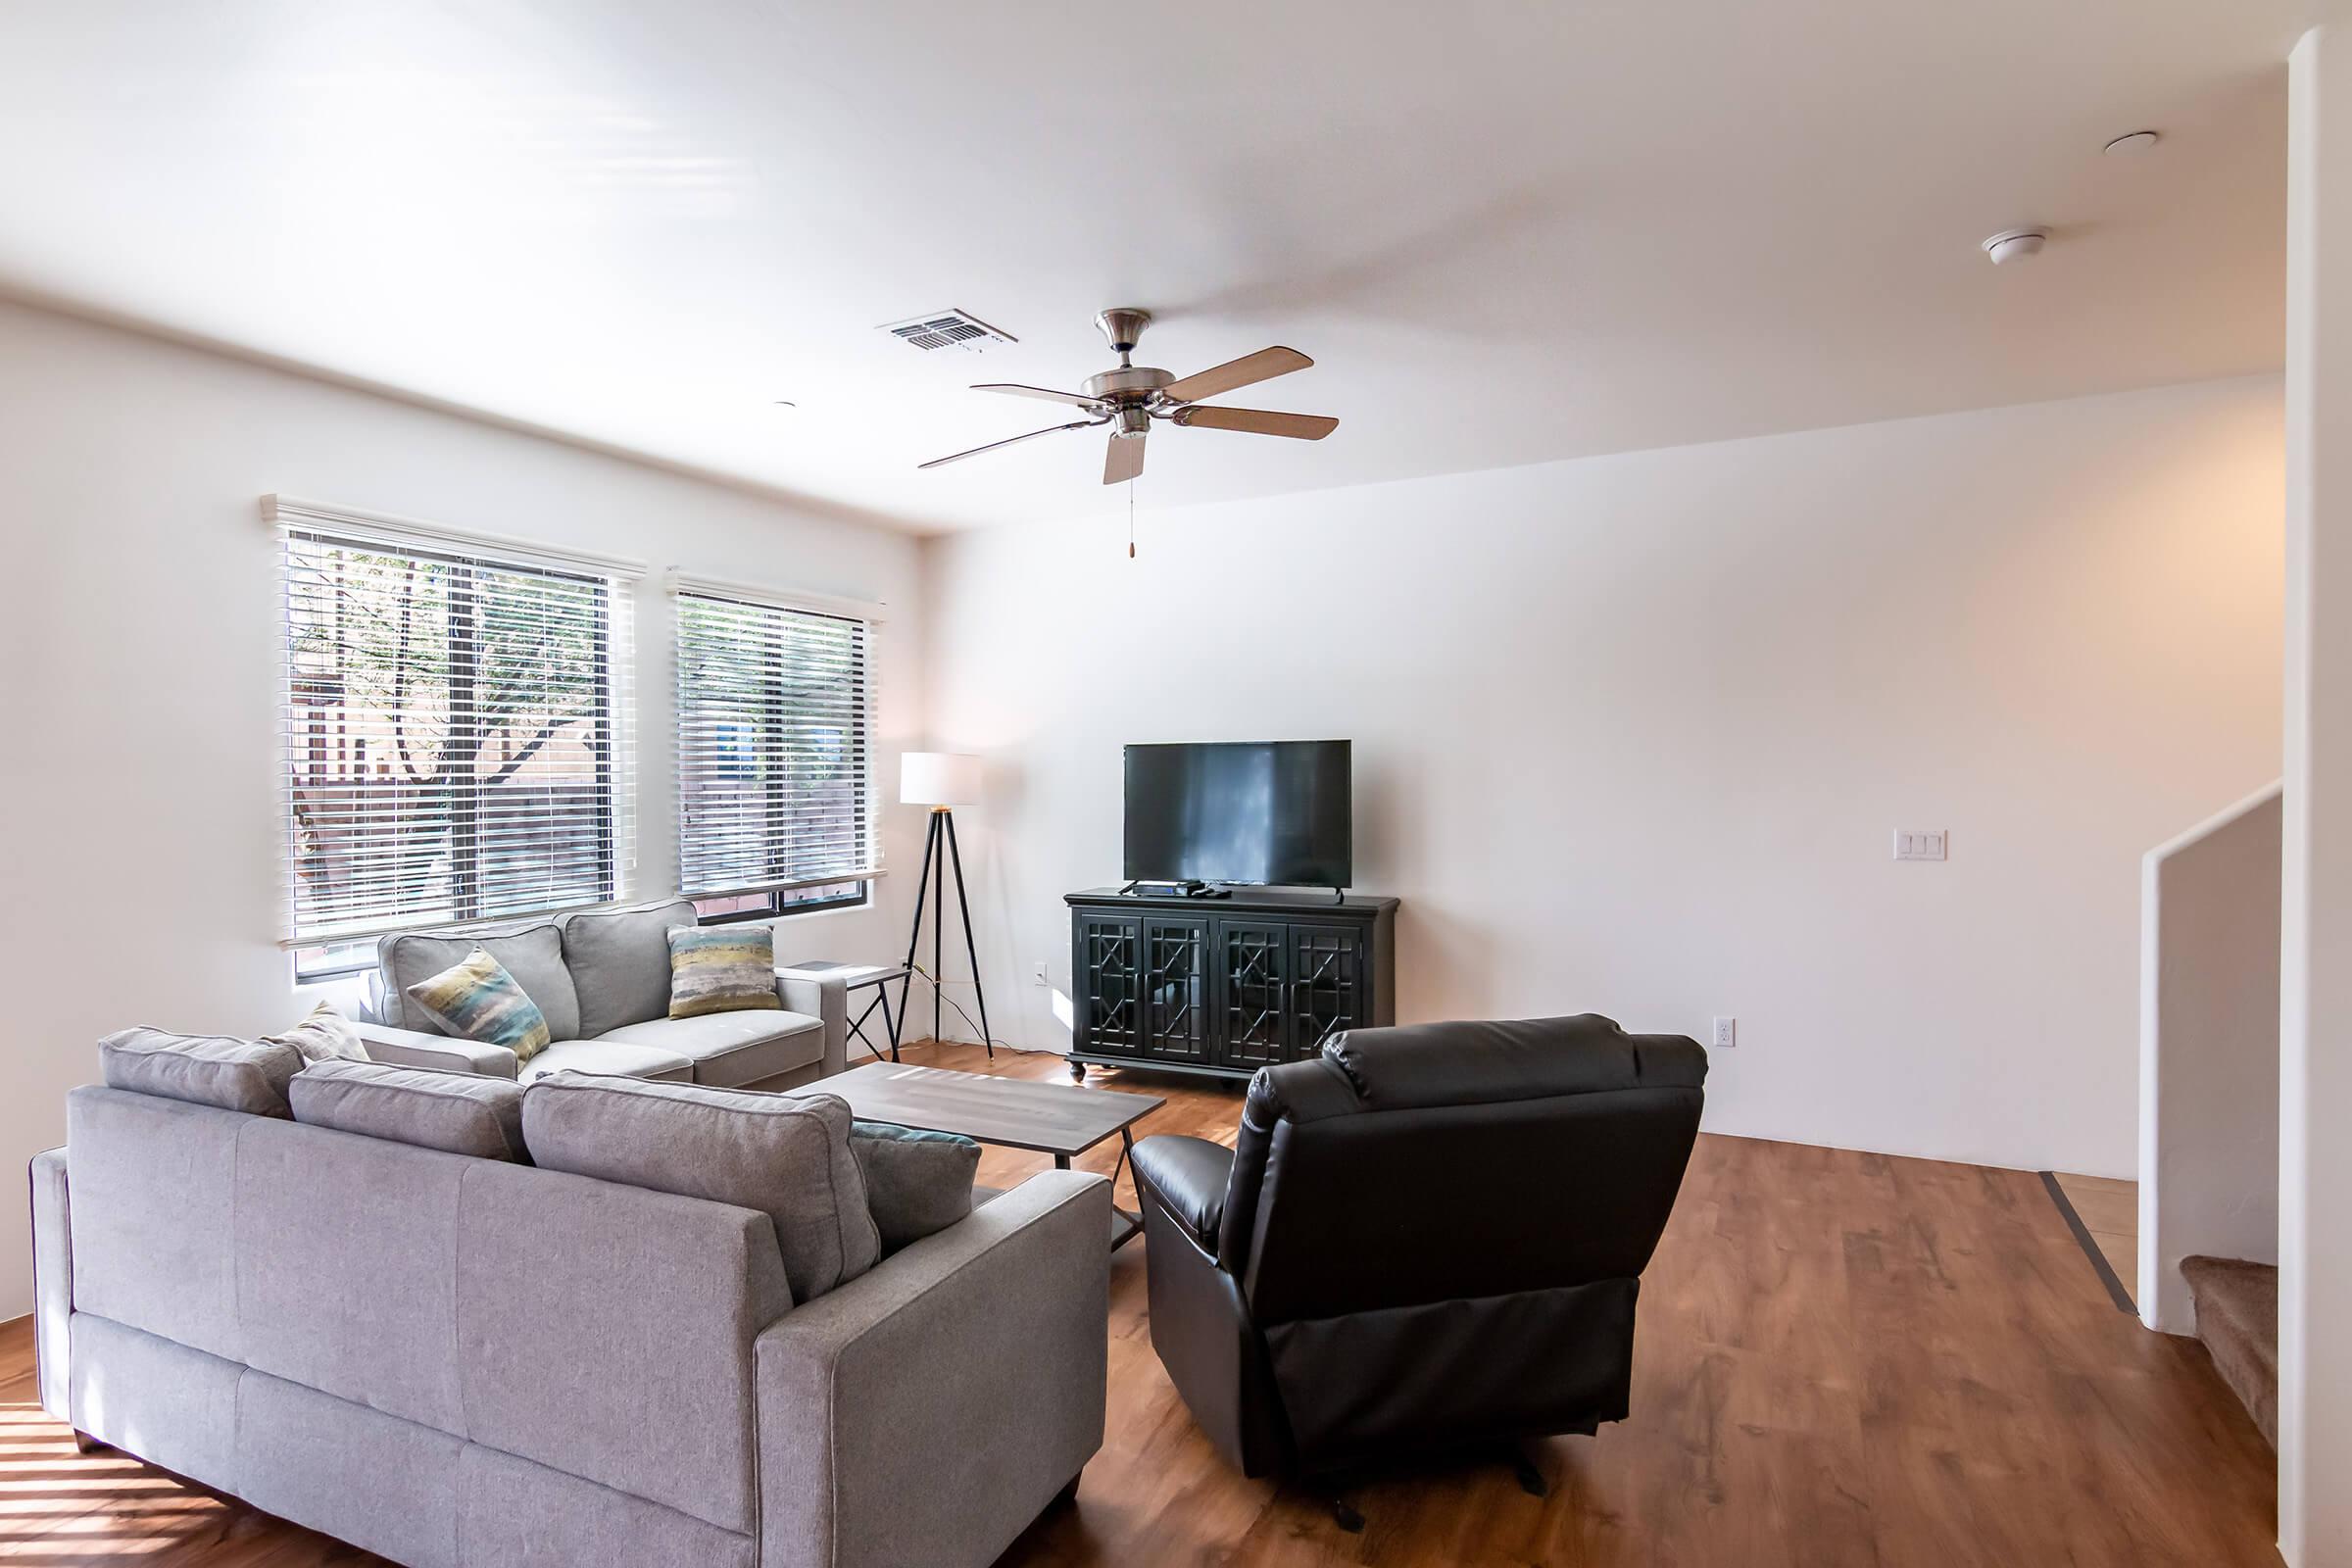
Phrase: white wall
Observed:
(1633, 734)
(2208, 1054)
(138, 789)
(2315, 960)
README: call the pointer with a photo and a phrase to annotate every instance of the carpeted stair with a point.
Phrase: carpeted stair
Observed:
(2237, 1318)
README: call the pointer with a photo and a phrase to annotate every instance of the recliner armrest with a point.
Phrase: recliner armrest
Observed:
(1188, 1175)
(412, 1047)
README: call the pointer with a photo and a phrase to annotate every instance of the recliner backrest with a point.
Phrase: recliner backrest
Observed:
(1457, 1160)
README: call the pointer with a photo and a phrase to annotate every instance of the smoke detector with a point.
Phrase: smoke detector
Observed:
(2015, 244)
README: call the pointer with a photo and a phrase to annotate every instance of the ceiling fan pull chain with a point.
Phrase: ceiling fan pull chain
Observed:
(1131, 484)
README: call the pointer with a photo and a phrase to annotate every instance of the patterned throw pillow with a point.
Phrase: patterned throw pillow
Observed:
(726, 969)
(324, 1036)
(477, 999)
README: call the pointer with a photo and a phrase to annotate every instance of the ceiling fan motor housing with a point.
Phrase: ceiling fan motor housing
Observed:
(1129, 383)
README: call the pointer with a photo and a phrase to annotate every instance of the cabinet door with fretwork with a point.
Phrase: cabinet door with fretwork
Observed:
(1253, 963)
(1176, 1024)
(1326, 985)
(1107, 962)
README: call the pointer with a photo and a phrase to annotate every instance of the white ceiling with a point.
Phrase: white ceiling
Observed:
(1507, 230)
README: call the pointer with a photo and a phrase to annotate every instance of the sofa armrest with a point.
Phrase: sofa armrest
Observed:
(51, 1282)
(825, 996)
(412, 1047)
(987, 1341)
(1188, 1176)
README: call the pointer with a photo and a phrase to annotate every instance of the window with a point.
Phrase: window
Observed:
(774, 806)
(452, 733)
(728, 906)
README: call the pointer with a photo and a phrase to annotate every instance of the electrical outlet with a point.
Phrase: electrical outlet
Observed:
(1919, 843)
(1038, 975)
(1727, 1032)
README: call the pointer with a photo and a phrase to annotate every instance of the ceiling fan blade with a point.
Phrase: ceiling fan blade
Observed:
(1259, 421)
(1263, 366)
(1124, 461)
(1019, 391)
(1011, 440)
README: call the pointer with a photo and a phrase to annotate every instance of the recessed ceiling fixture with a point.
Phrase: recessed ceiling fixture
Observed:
(2014, 244)
(1129, 397)
(2132, 142)
(786, 402)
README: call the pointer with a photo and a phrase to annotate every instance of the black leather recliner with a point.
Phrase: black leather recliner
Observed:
(1429, 1237)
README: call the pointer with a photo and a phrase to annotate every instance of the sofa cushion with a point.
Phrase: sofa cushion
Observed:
(787, 1157)
(248, 1075)
(532, 953)
(728, 969)
(616, 1059)
(619, 961)
(324, 1034)
(730, 1050)
(478, 999)
(457, 1112)
(916, 1181)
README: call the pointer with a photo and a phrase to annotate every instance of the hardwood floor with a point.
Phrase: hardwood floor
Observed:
(1843, 1360)
(2109, 1209)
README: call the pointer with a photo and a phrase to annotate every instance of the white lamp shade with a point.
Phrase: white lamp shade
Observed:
(938, 778)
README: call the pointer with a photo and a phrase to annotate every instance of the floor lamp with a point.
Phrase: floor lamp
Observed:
(941, 780)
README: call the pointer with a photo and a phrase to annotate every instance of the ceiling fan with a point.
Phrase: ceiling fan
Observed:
(1129, 397)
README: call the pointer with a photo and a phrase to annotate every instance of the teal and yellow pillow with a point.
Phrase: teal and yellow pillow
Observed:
(727, 968)
(477, 999)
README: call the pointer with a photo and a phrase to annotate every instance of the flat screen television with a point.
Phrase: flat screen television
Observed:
(1274, 813)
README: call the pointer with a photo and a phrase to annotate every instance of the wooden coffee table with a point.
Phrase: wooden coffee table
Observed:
(1058, 1119)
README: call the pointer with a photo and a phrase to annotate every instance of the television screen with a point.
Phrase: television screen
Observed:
(1272, 813)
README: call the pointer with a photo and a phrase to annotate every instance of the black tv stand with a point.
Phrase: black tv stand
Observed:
(1261, 976)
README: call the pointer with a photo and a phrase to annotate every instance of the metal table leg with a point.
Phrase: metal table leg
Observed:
(1125, 1227)
(881, 997)
(890, 1023)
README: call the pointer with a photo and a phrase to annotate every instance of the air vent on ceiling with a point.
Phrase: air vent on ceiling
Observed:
(947, 329)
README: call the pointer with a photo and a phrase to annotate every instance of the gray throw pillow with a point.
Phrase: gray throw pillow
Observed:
(787, 1157)
(248, 1075)
(457, 1112)
(916, 1181)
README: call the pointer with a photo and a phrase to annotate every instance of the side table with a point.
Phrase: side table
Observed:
(878, 977)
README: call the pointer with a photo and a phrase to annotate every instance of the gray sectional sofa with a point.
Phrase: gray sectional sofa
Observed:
(602, 978)
(460, 1362)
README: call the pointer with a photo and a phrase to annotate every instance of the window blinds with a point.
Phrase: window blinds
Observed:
(454, 719)
(773, 736)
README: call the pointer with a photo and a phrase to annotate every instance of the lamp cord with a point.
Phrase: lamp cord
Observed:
(939, 988)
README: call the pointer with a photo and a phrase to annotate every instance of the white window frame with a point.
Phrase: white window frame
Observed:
(290, 517)
(868, 616)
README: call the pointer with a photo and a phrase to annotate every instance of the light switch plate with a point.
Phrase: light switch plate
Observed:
(1919, 843)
